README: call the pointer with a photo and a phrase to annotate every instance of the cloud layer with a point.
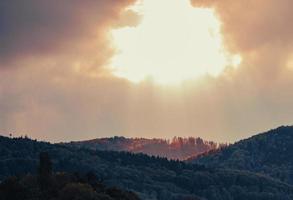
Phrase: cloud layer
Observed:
(55, 84)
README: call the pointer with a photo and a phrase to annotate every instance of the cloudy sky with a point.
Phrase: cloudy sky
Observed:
(57, 82)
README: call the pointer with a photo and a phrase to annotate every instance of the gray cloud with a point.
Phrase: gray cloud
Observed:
(45, 28)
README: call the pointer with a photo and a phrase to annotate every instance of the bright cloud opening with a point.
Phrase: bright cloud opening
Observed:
(174, 42)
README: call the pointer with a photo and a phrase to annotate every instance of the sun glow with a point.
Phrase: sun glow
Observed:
(173, 42)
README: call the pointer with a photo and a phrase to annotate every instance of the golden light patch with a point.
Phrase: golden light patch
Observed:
(174, 42)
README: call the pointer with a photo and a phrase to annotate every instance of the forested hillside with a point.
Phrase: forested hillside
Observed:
(177, 148)
(269, 153)
(47, 185)
(149, 177)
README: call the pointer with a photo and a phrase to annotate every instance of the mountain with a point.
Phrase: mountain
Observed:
(269, 153)
(178, 148)
(148, 176)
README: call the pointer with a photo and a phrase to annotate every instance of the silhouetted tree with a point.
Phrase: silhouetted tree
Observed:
(45, 167)
(45, 170)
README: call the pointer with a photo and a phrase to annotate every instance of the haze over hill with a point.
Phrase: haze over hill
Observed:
(177, 148)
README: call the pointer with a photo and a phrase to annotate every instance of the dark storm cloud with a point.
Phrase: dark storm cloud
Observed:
(44, 28)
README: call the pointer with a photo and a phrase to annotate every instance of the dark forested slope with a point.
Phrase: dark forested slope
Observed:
(149, 177)
(60, 186)
(269, 153)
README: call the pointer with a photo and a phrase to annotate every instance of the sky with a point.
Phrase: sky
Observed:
(58, 82)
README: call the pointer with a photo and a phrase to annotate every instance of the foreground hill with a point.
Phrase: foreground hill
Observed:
(149, 177)
(177, 148)
(269, 153)
(60, 186)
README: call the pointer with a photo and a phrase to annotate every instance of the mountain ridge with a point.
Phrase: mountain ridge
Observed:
(149, 176)
(269, 153)
(177, 148)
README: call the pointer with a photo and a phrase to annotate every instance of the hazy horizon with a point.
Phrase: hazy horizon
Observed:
(137, 137)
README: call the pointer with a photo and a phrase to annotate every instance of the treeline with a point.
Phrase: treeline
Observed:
(176, 148)
(270, 153)
(149, 177)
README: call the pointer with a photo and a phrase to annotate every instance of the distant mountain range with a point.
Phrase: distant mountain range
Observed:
(177, 148)
(269, 153)
(258, 168)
